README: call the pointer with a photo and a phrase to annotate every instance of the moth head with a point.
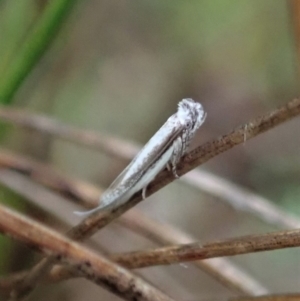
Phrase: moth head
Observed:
(191, 114)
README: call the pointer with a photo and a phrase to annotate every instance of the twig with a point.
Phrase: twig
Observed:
(94, 267)
(197, 251)
(111, 146)
(194, 158)
(46, 201)
(241, 199)
(221, 269)
(284, 297)
(235, 195)
(45, 175)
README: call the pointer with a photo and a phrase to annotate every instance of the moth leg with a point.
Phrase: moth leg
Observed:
(168, 167)
(144, 192)
(177, 153)
(174, 171)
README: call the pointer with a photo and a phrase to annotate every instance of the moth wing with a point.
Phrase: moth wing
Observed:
(119, 178)
(153, 149)
(148, 155)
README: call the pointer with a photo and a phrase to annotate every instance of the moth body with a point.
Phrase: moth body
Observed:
(167, 145)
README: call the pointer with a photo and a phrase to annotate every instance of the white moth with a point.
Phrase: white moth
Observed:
(166, 147)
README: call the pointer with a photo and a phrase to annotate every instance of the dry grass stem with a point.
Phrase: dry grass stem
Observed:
(284, 297)
(241, 199)
(221, 269)
(197, 251)
(108, 145)
(46, 175)
(194, 158)
(236, 196)
(86, 263)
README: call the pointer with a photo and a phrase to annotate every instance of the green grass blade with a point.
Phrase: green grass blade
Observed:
(34, 47)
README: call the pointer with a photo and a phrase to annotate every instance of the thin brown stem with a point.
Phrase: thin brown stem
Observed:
(194, 158)
(46, 175)
(85, 262)
(284, 297)
(109, 145)
(197, 251)
(221, 269)
(198, 156)
(241, 198)
(236, 196)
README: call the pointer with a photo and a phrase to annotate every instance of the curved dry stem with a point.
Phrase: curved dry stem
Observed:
(194, 158)
(121, 149)
(236, 196)
(220, 269)
(241, 199)
(46, 175)
(284, 297)
(85, 262)
(111, 146)
(197, 251)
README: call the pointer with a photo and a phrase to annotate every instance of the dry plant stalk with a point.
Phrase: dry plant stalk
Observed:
(109, 145)
(42, 173)
(196, 157)
(85, 262)
(121, 149)
(220, 269)
(193, 159)
(286, 297)
(197, 251)
(242, 199)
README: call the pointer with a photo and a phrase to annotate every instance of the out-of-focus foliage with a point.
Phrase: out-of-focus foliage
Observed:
(33, 46)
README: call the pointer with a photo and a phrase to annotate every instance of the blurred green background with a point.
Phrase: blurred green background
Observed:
(120, 68)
